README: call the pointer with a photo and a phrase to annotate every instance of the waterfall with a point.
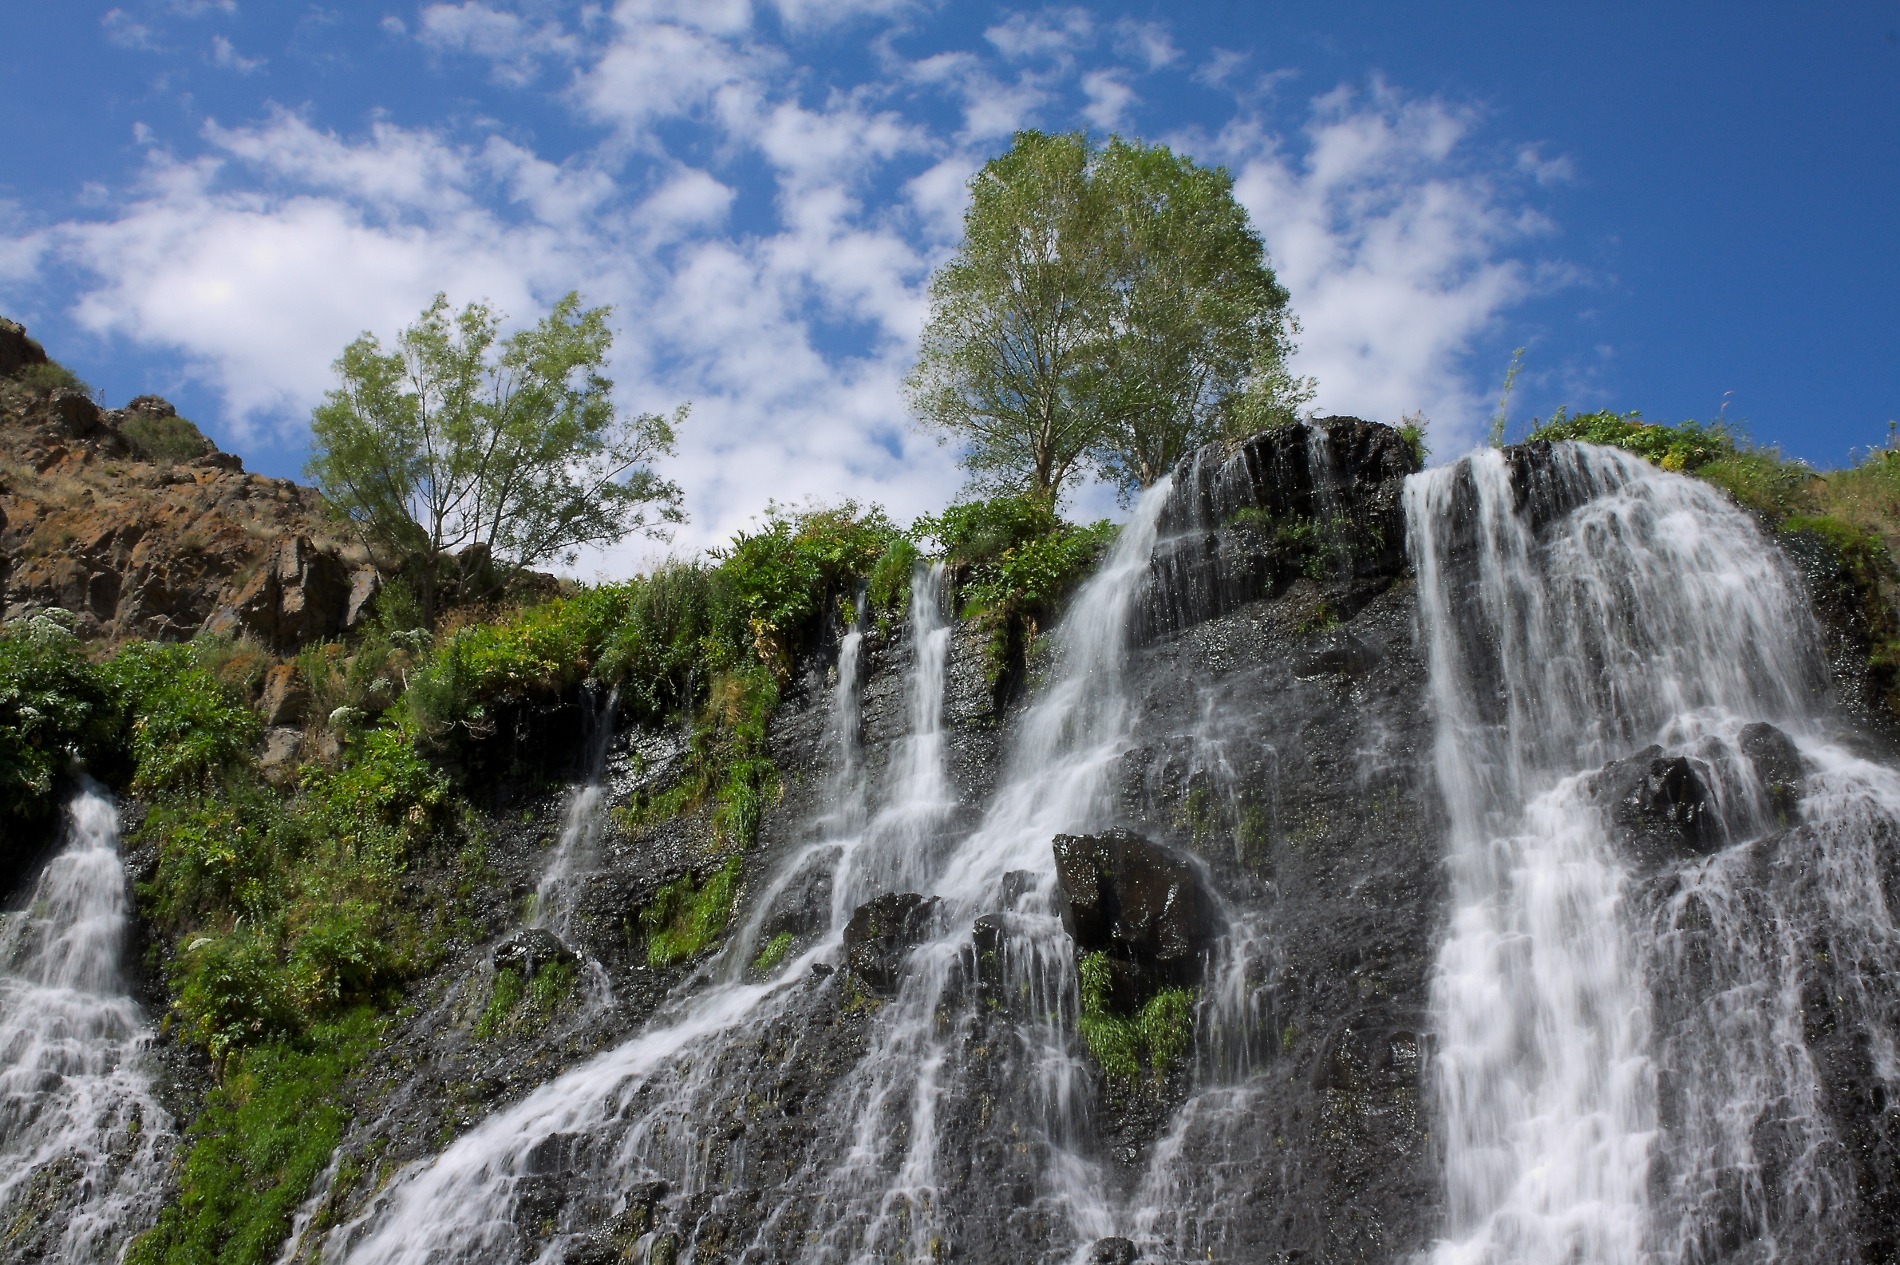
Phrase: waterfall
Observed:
(644, 1108)
(1622, 1074)
(79, 1127)
(576, 853)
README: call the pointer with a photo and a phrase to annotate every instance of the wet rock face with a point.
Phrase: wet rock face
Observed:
(1778, 766)
(528, 950)
(1319, 500)
(1139, 901)
(881, 932)
(1660, 806)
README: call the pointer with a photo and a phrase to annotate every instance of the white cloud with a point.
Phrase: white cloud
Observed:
(1054, 33)
(224, 54)
(1397, 253)
(764, 234)
(1546, 171)
(1109, 99)
(1147, 41)
(515, 49)
(125, 31)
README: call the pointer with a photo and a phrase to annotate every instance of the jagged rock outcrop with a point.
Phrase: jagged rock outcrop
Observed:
(1778, 765)
(1660, 806)
(530, 949)
(134, 521)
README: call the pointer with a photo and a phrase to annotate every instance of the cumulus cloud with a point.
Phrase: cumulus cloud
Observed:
(126, 31)
(224, 54)
(1396, 250)
(766, 234)
(1053, 33)
(514, 48)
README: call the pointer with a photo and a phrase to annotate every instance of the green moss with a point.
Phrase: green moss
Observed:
(685, 918)
(773, 953)
(1156, 1036)
(265, 1132)
(516, 1005)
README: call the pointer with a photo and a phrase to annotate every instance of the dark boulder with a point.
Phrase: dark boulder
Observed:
(989, 936)
(1142, 903)
(527, 951)
(1778, 766)
(882, 932)
(1660, 807)
(1115, 1251)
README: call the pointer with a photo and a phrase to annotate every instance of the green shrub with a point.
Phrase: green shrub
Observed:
(164, 438)
(1016, 562)
(189, 727)
(232, 991)
(1157, 1035)
(265, 1133)
(657, 652)
(50, 377)
(683, 918)
(55, 707)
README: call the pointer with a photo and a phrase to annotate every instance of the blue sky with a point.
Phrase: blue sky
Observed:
(1673, 208)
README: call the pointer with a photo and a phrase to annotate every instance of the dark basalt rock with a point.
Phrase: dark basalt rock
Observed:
(803, 906)
(1778, 766)
(881, 932)
(1660, 806)
(527, 951)
(1112, 1252)
(1136, 899)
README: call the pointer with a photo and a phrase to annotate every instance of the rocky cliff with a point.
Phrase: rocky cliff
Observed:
(133, 521)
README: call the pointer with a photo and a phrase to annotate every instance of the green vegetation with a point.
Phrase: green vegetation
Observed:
(459, 438)
(773, 953)
(516, 1005)
(263, 1135)
(1014, 562)
(683, 918)
(1109, 304)
(164, 438)
(43, 380)
(1156, 1036)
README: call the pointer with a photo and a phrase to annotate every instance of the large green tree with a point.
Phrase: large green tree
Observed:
(460, 437)
(1197, 330)
(1109, 305)
(1011, 354)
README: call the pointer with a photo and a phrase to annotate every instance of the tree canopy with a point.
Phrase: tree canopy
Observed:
(459, 437)
(1110, 306)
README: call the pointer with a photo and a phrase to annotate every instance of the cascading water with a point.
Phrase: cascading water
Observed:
(577, 851)
(1621, 1071)
(643, 1108)
(650, 1109)
(77, 1114)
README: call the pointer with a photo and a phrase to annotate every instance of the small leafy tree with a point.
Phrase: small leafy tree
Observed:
(459, 437)
(1109, 303)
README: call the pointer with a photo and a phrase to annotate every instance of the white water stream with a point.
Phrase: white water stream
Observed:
(79, 1129)
(641, 1109)
(1581, 1122)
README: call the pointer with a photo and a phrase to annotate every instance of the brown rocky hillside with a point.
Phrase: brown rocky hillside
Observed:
(133, 521)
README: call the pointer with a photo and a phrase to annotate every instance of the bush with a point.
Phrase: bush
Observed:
(56, 707)
(1015, 563)
(189, 727)
(1157, 1035)
(164, 438)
